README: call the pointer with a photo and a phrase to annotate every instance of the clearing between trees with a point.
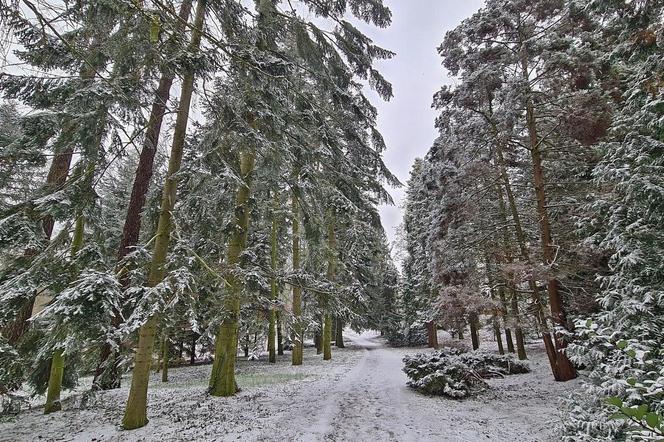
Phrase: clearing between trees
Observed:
(360, 395)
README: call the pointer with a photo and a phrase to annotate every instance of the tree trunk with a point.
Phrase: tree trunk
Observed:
(271, 335)
(164, 358)
(318, 339)
(280, 336)
(432, 334)
(474, 331)
(136, 409)
(518, 331)
(145, 167)
(327, 337)
(510, 342)
(192, 351)
(107, 366)
(222, 379)
(520, 344)
(55, 383)
(563, 370)
(331, 276)
(497, 312)
(297, 290)
(521, 241)
(519, 233)
(340, 333)
(499, 336)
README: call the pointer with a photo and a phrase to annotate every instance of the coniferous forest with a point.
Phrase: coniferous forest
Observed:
(192, 202)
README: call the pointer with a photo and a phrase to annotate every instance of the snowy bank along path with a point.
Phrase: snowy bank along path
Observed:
(360, 395)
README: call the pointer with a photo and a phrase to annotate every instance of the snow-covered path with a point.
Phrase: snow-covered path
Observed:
(373, 403)
(360, 395)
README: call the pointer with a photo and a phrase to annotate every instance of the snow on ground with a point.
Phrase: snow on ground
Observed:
(360, 395)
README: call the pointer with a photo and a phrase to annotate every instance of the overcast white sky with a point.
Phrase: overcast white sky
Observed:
(407, 122)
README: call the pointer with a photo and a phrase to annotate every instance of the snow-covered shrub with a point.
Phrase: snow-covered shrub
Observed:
(444, 382)
(457, 374)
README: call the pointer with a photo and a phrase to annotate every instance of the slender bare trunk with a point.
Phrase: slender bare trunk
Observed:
(339, 341)
(331, 276)
(474, 331)
(509, 340)
(297, 290)
(280, 336)
(521, 241)
(499, 336)
(271, 335)
(192, 350)
(432, 334)
(136, 408)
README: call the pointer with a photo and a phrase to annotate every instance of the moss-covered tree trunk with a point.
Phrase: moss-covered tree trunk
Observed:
(55, 382)
(298, 338)
(222, 379)
(136, 408)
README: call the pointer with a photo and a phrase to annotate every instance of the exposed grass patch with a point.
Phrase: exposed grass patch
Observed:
(244, 380)
(260, 379)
